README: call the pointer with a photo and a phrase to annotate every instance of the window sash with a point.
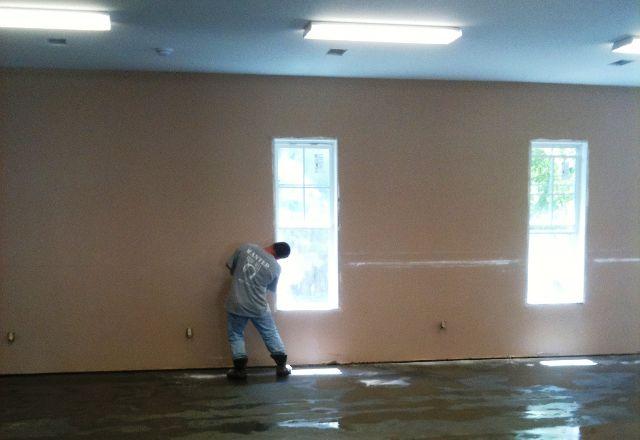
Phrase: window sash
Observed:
(576, 149)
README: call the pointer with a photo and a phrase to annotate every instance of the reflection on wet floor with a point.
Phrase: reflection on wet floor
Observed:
(385, 383)
(309, 424)
(568, 363)
(316, 372)
(554, 432)
(478, 399)
(555, 410)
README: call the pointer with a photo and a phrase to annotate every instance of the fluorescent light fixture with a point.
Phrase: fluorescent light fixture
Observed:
(381, 33)
(54, 19)
(317, 372)
(568, 363)
(627, 45)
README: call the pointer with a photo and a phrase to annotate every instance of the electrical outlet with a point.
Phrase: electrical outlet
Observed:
(443, 325)
(11, 337)
(189, 333)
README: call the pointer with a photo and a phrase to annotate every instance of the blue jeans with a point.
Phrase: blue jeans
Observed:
(265, 326)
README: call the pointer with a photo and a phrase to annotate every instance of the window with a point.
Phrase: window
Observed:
(306, 217)
(557, 211)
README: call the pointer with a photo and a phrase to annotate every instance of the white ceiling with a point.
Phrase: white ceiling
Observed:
(551, 41)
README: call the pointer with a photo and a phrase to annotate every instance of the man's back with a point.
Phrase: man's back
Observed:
(254, 272)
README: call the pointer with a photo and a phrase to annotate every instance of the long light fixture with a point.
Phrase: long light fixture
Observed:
(627, 45)
(54, 19)
(381, 33)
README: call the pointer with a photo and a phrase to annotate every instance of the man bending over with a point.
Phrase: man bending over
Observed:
(255, 272)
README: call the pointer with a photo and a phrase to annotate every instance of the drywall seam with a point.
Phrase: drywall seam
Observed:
(616, 260)
(430, 263)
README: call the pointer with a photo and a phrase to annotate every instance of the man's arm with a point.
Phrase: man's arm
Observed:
(232, 261)
(273, 285)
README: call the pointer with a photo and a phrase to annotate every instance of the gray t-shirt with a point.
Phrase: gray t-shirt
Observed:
(254, 273)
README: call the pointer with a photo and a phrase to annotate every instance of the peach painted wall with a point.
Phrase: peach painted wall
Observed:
(123, 194)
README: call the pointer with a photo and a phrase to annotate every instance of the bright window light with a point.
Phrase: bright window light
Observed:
(306, 211)
(381, 33)
(557, 212)
(317, 372)
(627, 45)
(54, 19)
(568, 363)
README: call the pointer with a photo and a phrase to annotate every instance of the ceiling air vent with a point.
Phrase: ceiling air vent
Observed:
(57, 41)
(621, 62)
(164, 51)
(336, 52)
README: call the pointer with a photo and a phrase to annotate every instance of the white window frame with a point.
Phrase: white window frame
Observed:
(332, 302)
(580, 201)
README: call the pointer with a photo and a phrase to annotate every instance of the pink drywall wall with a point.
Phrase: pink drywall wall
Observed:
(124, 193)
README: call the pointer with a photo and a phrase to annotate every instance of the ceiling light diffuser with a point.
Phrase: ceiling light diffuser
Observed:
(54, 19)
(627, 45)
(381, 33)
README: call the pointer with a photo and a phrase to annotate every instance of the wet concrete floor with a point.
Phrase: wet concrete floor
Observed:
(465, 399)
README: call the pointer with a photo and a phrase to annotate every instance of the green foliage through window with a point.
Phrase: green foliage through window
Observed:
(552, 187)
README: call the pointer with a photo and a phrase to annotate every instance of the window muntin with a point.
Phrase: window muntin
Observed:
(557, 211)
(306, 217)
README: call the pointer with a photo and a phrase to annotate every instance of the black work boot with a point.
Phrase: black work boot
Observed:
(239, 370)
(282, 369)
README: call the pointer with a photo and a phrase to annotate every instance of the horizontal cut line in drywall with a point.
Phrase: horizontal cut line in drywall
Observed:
(616, 260)
(430, 263)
